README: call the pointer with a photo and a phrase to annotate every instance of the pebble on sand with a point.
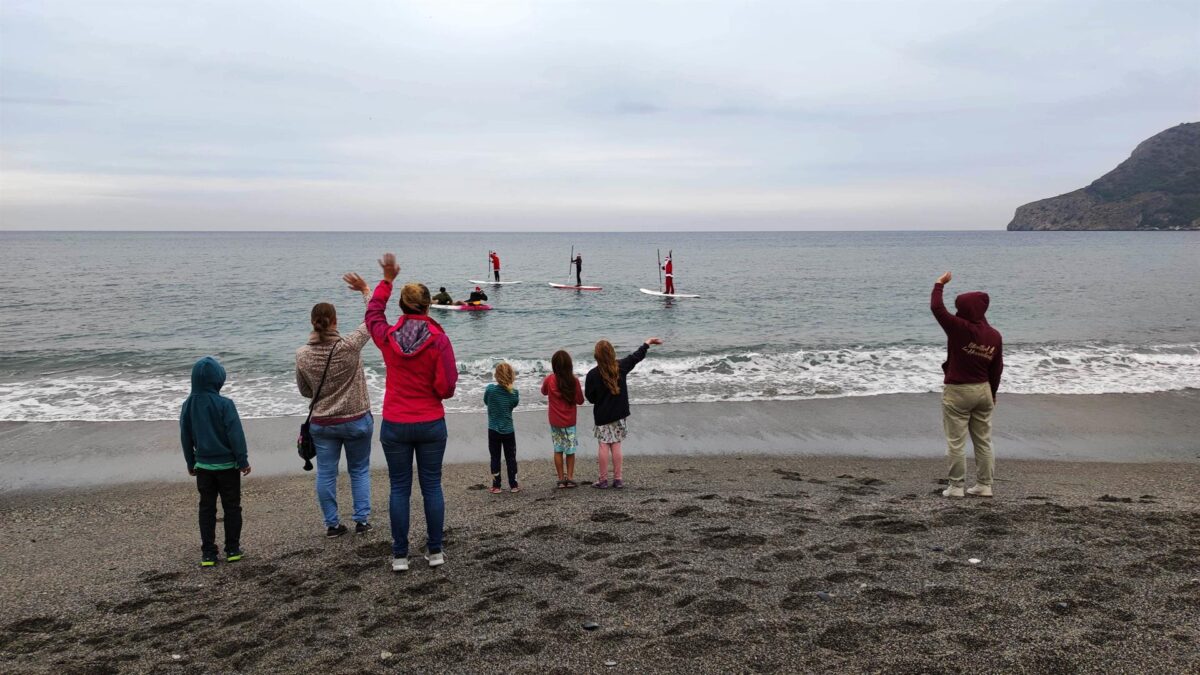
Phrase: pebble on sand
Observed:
(610, 664)
(591, 625)
(974, 561)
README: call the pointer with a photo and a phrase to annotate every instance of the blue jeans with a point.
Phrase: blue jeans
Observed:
(356, 436)
(427, 442)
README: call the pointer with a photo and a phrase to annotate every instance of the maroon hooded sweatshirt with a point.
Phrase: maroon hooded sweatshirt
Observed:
(975, 352)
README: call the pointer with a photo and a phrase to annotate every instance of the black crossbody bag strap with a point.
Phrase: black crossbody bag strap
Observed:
(317, 395)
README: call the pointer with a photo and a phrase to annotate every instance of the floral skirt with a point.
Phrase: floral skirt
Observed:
(613, 432)
(564, 439)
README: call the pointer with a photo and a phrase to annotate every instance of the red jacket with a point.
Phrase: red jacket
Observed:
(975, 352)
(669, 268)
(562, 411)
(495, 261)
(421, 372)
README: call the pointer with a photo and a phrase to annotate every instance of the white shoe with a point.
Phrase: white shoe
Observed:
(399, 564)
(980, 490)
(436, 559)
(953, 491)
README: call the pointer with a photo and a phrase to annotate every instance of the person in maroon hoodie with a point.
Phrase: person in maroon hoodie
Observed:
(974, 362)
(421, 373)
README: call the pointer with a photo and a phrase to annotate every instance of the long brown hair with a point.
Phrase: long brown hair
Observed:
(606, 361)
(324, 318)
(505, 375)
(564, 375)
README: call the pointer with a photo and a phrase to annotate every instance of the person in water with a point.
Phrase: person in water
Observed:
(605, 387)
(495, 264)
(477, 297)
(974, 363)
(421, 373)
(578, 260)
(669, 275)
(214, 448)
(443, 298)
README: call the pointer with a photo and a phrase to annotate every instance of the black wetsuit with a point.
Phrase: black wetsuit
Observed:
(578, 270)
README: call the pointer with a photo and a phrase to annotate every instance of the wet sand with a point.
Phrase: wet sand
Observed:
(1112, 427)
(730, 563)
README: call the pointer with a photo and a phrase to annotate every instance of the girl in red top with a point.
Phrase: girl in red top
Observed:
(565, 395)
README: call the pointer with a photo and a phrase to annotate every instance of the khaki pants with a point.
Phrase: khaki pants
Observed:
(967, 408)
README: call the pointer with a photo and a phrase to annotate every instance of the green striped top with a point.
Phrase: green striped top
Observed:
(500, 403)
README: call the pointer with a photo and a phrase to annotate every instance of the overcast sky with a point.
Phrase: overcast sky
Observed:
(436, 114)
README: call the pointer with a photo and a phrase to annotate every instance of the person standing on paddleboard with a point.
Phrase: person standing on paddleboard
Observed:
(578, 260)
(974, 363)
(495, 264)
(669, 274)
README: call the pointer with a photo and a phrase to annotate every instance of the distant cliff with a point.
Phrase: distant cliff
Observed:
(1157, 188)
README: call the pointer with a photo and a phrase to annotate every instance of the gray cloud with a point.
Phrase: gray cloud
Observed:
(545, 115)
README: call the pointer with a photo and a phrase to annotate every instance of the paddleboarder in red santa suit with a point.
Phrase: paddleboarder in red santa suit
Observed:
(495, 264)
(669, 274)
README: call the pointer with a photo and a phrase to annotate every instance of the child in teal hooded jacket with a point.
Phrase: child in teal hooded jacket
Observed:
(214, 448)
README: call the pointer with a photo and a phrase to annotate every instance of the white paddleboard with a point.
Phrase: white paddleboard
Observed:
(462, 308)
(667, 295)
(493, 283)
(577, 288)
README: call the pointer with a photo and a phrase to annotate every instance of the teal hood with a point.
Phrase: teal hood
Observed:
(208, 375)
(209, 428)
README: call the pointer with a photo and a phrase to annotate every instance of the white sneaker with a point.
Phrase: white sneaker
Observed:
(980, 490)
(399, 564)
(436, 559)
(953, 491)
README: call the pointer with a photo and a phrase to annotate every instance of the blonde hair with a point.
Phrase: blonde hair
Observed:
(414, 299)
(505, 375)
(606, 361)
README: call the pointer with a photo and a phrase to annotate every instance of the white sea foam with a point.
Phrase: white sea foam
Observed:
(747, 376)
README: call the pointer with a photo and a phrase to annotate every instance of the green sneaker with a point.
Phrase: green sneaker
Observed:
(234, 556)
(208, 560)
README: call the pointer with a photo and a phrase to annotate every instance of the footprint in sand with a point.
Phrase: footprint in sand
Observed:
(610, 517)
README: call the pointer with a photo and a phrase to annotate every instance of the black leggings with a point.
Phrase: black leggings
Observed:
(507, 442)
(228, 485)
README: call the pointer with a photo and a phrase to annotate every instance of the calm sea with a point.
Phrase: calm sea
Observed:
(105, 326)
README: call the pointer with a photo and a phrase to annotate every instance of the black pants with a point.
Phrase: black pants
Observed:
(227, 484)
(497, 272)
(508, 442)
(578, 276)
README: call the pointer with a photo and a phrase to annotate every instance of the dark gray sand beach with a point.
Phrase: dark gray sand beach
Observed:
(713, 564)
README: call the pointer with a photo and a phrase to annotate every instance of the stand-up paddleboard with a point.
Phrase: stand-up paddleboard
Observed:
(565, 287)
(493, 283)
(462, 308)
(667, 295)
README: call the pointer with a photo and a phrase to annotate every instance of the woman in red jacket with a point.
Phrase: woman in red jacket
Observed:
(566, 395)
(421, 373)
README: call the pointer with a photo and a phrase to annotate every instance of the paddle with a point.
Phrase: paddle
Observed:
(658, 254)
(570, 263)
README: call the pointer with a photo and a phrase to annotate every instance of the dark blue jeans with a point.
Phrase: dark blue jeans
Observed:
(426, 441)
